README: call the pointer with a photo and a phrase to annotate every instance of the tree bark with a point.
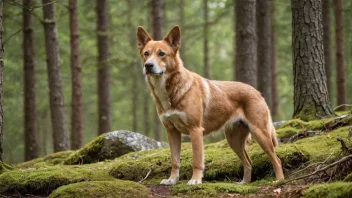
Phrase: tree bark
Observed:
(182, 26)
(311, 99)
(156, 12)
(1, 78)
(264, 50)
(205, 40)
(31, 144)
(54, 77)
(104, 98)
(274, 92)
(340, 54)
(246, 48)
(327, 43)
(76, 76)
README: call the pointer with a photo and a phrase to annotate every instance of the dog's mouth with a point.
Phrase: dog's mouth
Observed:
(152, 73)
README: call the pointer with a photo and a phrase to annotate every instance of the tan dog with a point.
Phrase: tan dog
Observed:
(190, 104)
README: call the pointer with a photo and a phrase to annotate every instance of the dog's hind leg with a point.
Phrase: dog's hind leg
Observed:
(236, 136)
(265, 140)
(174, 138)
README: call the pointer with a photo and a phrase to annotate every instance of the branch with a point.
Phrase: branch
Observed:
(322, 169)
(150, 170)
(12, 35)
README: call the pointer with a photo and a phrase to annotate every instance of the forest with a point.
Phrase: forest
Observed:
(73, 73)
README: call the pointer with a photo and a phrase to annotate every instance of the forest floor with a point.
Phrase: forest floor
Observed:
(316, 157)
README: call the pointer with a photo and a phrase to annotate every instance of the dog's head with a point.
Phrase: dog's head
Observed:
(159, 57)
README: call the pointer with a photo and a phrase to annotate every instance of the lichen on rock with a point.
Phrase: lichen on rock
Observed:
(112, 145)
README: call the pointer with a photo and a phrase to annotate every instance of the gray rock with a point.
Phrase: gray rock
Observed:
(112, 145)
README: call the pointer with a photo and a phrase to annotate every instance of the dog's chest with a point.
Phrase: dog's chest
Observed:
(160, 92)
(175, 119)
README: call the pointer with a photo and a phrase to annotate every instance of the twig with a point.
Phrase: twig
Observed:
(150, 170)
(314, 164)
(343, 105)
(12, 35)
(322, 169)
(298, 149)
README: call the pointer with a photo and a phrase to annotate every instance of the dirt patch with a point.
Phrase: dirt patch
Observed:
(157, 190)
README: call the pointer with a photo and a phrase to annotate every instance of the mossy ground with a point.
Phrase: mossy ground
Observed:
(330, 190)
(44, 175)
(95, 189)
(212, 189)
(5, 167)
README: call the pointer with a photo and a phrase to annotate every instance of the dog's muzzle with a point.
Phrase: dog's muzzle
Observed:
(151, 69)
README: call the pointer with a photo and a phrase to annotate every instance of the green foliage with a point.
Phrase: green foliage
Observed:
(93, 189)
(51, 159)
(330, 190)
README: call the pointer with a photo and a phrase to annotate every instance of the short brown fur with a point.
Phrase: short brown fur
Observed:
(190, 104)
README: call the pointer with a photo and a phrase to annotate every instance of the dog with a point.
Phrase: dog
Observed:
(190, 104)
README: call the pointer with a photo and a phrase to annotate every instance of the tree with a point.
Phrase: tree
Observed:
(205, 40)
(274, 88)
(76, 101)
(246, 48)
(104, 98)
(31, 144)
(54, 77)
(311, 99)
(182, 26)
(1, 79)
(157, 20)
(264, 50)
(327, 43)
(340, 54)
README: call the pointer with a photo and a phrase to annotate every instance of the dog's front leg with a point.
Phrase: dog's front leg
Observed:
(198, 155)
(174, 138)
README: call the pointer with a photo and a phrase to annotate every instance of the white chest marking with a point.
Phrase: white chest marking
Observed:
(159, 84)
(176, 119)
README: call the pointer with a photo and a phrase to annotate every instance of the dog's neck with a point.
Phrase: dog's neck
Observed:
(169, 88)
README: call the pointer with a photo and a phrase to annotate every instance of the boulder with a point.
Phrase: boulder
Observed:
(111, 145)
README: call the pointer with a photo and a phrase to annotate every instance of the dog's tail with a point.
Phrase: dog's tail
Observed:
(272, 130)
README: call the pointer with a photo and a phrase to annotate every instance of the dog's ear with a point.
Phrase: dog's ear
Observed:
(174, 38)
(142, 37)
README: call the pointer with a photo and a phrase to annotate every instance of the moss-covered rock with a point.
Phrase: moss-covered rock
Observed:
(212, 189)
(331, 190)
(287, 132)
(49, 160)
(44, 180)
(96, 189)
(112, 145)
(5, 167)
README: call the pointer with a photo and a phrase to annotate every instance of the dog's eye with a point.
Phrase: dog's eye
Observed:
(161, 54)
(146, 54)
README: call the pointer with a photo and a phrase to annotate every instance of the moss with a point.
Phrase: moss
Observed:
(43, 180)
(49, 160)
(211, 189)
(331, 190)
(4, 167)
(220, 161)
(348, 178)
(93, 189)
(286, 132)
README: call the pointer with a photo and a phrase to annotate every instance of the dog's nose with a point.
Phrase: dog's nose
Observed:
(149, 65)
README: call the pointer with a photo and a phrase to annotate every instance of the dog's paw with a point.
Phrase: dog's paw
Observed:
(170, 181)
(194, 182)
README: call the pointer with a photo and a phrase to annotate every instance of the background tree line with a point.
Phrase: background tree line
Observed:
(87, 49)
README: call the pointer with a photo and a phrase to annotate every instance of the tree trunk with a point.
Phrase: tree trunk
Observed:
(54, 77)
(327, 43)
(31, 145)
(246, 48)
(156, 12)
(182, 25)
(1, 79)
(205, 40)
(264, 50)
(76, 102)
(340, 54)
(311, 99)
(135, 69)
(274, 92)
(104, 98)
